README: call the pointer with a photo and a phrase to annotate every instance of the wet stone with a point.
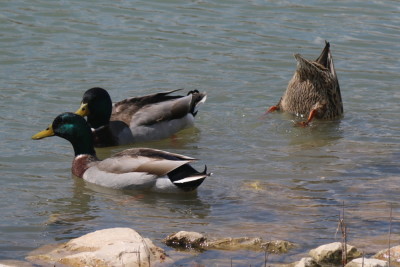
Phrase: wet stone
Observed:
(332, 253)
(185, 240)
(360, 262)
(394, 255)
(193, 240)
(107, 247)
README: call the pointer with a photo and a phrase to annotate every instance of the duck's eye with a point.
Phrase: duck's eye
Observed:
(47, 128)
(83, 109)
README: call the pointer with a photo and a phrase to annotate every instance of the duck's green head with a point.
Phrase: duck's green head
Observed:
(97, 106)
(73, 128)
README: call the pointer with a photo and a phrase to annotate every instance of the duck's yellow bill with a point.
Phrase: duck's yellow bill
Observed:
(83, 110)
(45, 133)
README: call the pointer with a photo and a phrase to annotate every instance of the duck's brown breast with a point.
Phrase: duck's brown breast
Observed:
(81, 163)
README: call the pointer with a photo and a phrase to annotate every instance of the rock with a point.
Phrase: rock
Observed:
(306, 262)
(360, 262)
(185, 240)
(108, 247)
(278, 246)
(332, 253)
(236, 243)
(193, 240)
(394, 255)
(256, 244)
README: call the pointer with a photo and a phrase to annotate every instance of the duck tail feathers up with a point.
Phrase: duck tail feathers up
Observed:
(197, 100)
(325, 58)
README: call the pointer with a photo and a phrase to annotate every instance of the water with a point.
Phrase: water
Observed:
(270, 179)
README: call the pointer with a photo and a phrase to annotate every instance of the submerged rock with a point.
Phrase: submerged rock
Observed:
(108, 247)
(190, 240)
(394, 255)
(236, 243)
(256, 244)
(360, 262)
(332, 253)
(185, 240)
(278, 246)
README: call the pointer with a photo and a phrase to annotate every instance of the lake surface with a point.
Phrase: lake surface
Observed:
(270, 179)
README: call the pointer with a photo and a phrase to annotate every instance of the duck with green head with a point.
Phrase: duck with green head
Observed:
(138, 119)
(313, 90)
(137, 168)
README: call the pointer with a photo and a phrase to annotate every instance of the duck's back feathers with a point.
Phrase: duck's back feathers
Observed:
(155, 116)
(124, 110)
(157, 107)
(148, 160)
(161, 115)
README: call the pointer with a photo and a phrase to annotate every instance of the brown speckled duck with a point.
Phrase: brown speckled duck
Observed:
(313, 90)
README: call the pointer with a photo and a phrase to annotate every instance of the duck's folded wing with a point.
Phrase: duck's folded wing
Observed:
(146, 160)
(162, 111)
(125, 109)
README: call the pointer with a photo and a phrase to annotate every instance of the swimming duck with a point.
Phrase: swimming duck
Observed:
(313, 90)
(137, 168)
(138, 119)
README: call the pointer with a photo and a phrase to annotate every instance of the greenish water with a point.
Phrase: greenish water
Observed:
(270, 179)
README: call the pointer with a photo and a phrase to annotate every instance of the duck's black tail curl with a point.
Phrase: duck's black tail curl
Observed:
(197, 99)
(187, 178)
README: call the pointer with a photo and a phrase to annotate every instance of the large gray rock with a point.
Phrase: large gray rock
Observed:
(332, 253)
(360, 262)
(108, 247)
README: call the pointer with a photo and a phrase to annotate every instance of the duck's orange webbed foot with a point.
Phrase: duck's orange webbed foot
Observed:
(302, 124)
(310, 118)
(272, 109)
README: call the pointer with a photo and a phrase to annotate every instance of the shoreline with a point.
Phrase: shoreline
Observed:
(126, 247)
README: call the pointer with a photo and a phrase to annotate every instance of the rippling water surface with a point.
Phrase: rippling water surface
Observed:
(270, 179)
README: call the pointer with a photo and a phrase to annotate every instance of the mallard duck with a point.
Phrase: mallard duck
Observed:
(137, 168)
(314, 89)
(138, 119)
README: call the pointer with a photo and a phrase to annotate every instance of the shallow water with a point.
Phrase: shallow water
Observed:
(270, 179)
